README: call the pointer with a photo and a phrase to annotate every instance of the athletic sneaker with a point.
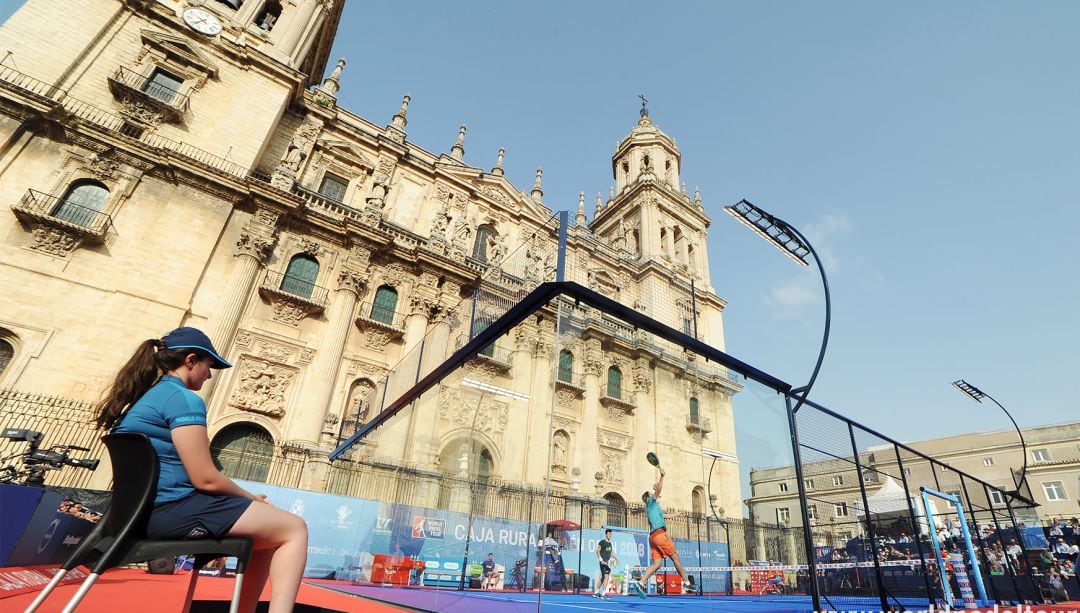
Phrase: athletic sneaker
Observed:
(688, 586)
(640, 587)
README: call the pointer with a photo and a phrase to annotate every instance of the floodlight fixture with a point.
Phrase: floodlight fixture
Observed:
(793, 244)
(719, 455)
(977, 395)
(774, 230)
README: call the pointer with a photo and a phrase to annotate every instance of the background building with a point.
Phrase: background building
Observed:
(835, 505)
(169, 164)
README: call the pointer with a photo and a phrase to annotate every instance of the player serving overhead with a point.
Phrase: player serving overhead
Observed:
(660, 544)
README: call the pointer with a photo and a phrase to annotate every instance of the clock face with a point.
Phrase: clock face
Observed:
(202, 21)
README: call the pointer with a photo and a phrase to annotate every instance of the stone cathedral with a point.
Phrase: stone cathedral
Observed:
(171, 162)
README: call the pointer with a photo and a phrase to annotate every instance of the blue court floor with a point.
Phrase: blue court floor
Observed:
(451, 601)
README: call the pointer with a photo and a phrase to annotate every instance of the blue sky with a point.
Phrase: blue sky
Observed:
(929, 150)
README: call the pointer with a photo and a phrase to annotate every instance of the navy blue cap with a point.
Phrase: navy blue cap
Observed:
(193, 338)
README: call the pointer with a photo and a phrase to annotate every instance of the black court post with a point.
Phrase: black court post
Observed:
(869, 520)
(808, 537)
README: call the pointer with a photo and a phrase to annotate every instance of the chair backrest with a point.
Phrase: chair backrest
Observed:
(135, 476)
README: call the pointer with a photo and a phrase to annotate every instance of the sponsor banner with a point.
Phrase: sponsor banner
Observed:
(967, 596)
(19, 504)
(345, 534)
(50, 536)
(16, 580)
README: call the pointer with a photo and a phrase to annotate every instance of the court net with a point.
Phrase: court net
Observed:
(768, 580)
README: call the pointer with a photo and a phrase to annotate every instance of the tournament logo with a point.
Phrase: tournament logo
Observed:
(342, 520)
(427, 527)
(47, 537)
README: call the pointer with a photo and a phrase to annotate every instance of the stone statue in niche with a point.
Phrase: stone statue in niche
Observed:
(498, 249)
(560, 445)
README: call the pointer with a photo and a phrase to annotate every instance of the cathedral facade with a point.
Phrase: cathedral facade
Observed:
(170, 163)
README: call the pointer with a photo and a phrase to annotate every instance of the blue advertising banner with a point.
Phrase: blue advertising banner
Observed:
(50, 536)
(367, 540)
(19, 503)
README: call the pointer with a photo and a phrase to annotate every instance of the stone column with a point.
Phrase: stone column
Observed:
(321, 376)
(292, 25)
(592, 380)
(255, 244)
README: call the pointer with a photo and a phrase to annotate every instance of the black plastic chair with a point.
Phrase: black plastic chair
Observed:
(120, 536)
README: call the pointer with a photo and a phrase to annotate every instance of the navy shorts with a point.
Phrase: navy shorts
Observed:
(196, 516)
(605, 569)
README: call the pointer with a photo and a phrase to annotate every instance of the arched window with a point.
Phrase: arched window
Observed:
(7, 352)
(82, 202)
(566, 366)
(382, 309)
(243, 451)
(300, 276)
(269, 15)
(484, 234)
(614, 383)
(697, 501)
(616, 509)
(694, 411)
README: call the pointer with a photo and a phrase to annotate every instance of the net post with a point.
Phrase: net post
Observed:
(808, 539)
(869, 521)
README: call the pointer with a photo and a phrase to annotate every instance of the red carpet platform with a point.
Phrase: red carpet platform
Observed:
(136, 591)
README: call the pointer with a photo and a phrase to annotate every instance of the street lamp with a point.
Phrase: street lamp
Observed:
(794, 245)
(977, 395)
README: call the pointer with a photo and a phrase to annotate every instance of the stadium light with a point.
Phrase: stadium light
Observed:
(794, 245)
(977, 395)
(494, 389)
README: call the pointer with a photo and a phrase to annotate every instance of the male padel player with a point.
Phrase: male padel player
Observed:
(660, 544)
(607, 559)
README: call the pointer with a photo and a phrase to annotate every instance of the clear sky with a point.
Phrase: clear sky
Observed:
(929, 150)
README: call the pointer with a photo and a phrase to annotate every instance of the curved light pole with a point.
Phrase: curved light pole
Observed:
(977, 395)
(793, 244)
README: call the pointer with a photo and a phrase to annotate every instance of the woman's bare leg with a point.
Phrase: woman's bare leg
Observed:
(283, 536)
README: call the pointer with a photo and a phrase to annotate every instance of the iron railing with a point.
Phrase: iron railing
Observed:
(88, 222)
(296, 288)
(160, 95)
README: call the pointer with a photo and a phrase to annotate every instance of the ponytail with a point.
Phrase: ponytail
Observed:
(150, 360)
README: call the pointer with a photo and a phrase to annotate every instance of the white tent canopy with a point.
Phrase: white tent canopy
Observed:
(891, 498)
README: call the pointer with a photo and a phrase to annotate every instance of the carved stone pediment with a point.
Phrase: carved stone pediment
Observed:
(179, 49)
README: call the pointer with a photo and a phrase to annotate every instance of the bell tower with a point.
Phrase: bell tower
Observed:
(647, 214)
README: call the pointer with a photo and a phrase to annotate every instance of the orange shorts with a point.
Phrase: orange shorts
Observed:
(660, 544)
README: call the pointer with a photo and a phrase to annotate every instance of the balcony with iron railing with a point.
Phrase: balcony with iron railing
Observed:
(278, 287)
(42, 93)
(169, 102)
(495, 355)
(697, 423)
(36, 208)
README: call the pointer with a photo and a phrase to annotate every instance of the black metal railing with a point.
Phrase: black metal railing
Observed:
(159, 92)
(296, 287)
(13, 79)
(87, 221)
(382, 314)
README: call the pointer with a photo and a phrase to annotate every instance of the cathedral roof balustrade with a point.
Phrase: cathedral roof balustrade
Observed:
(327, 207)
(40, 91)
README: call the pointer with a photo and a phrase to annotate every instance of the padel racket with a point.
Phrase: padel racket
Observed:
(651, 457)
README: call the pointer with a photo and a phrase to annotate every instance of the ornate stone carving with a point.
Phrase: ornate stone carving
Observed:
(254, 244)
(499, 196)
(378, 339)
(101, 167)
(642, 379)
(308, 246)
(262, 387)
(352, 280)
(613, 464)
(563, 422)
(289, 311)
(460, 408)
(274, 351)
(139, 111)
(616, 414)
(613, 440)
(560, 451)
(566, 398)
(306, 355)
(299, 148)
(53, 240)
(244, 339)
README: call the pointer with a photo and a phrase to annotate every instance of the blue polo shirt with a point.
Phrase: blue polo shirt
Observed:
(166, 405)
(655, 514)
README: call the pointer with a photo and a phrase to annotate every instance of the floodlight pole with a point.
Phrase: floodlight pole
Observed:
(977, 395)
(793, 244)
